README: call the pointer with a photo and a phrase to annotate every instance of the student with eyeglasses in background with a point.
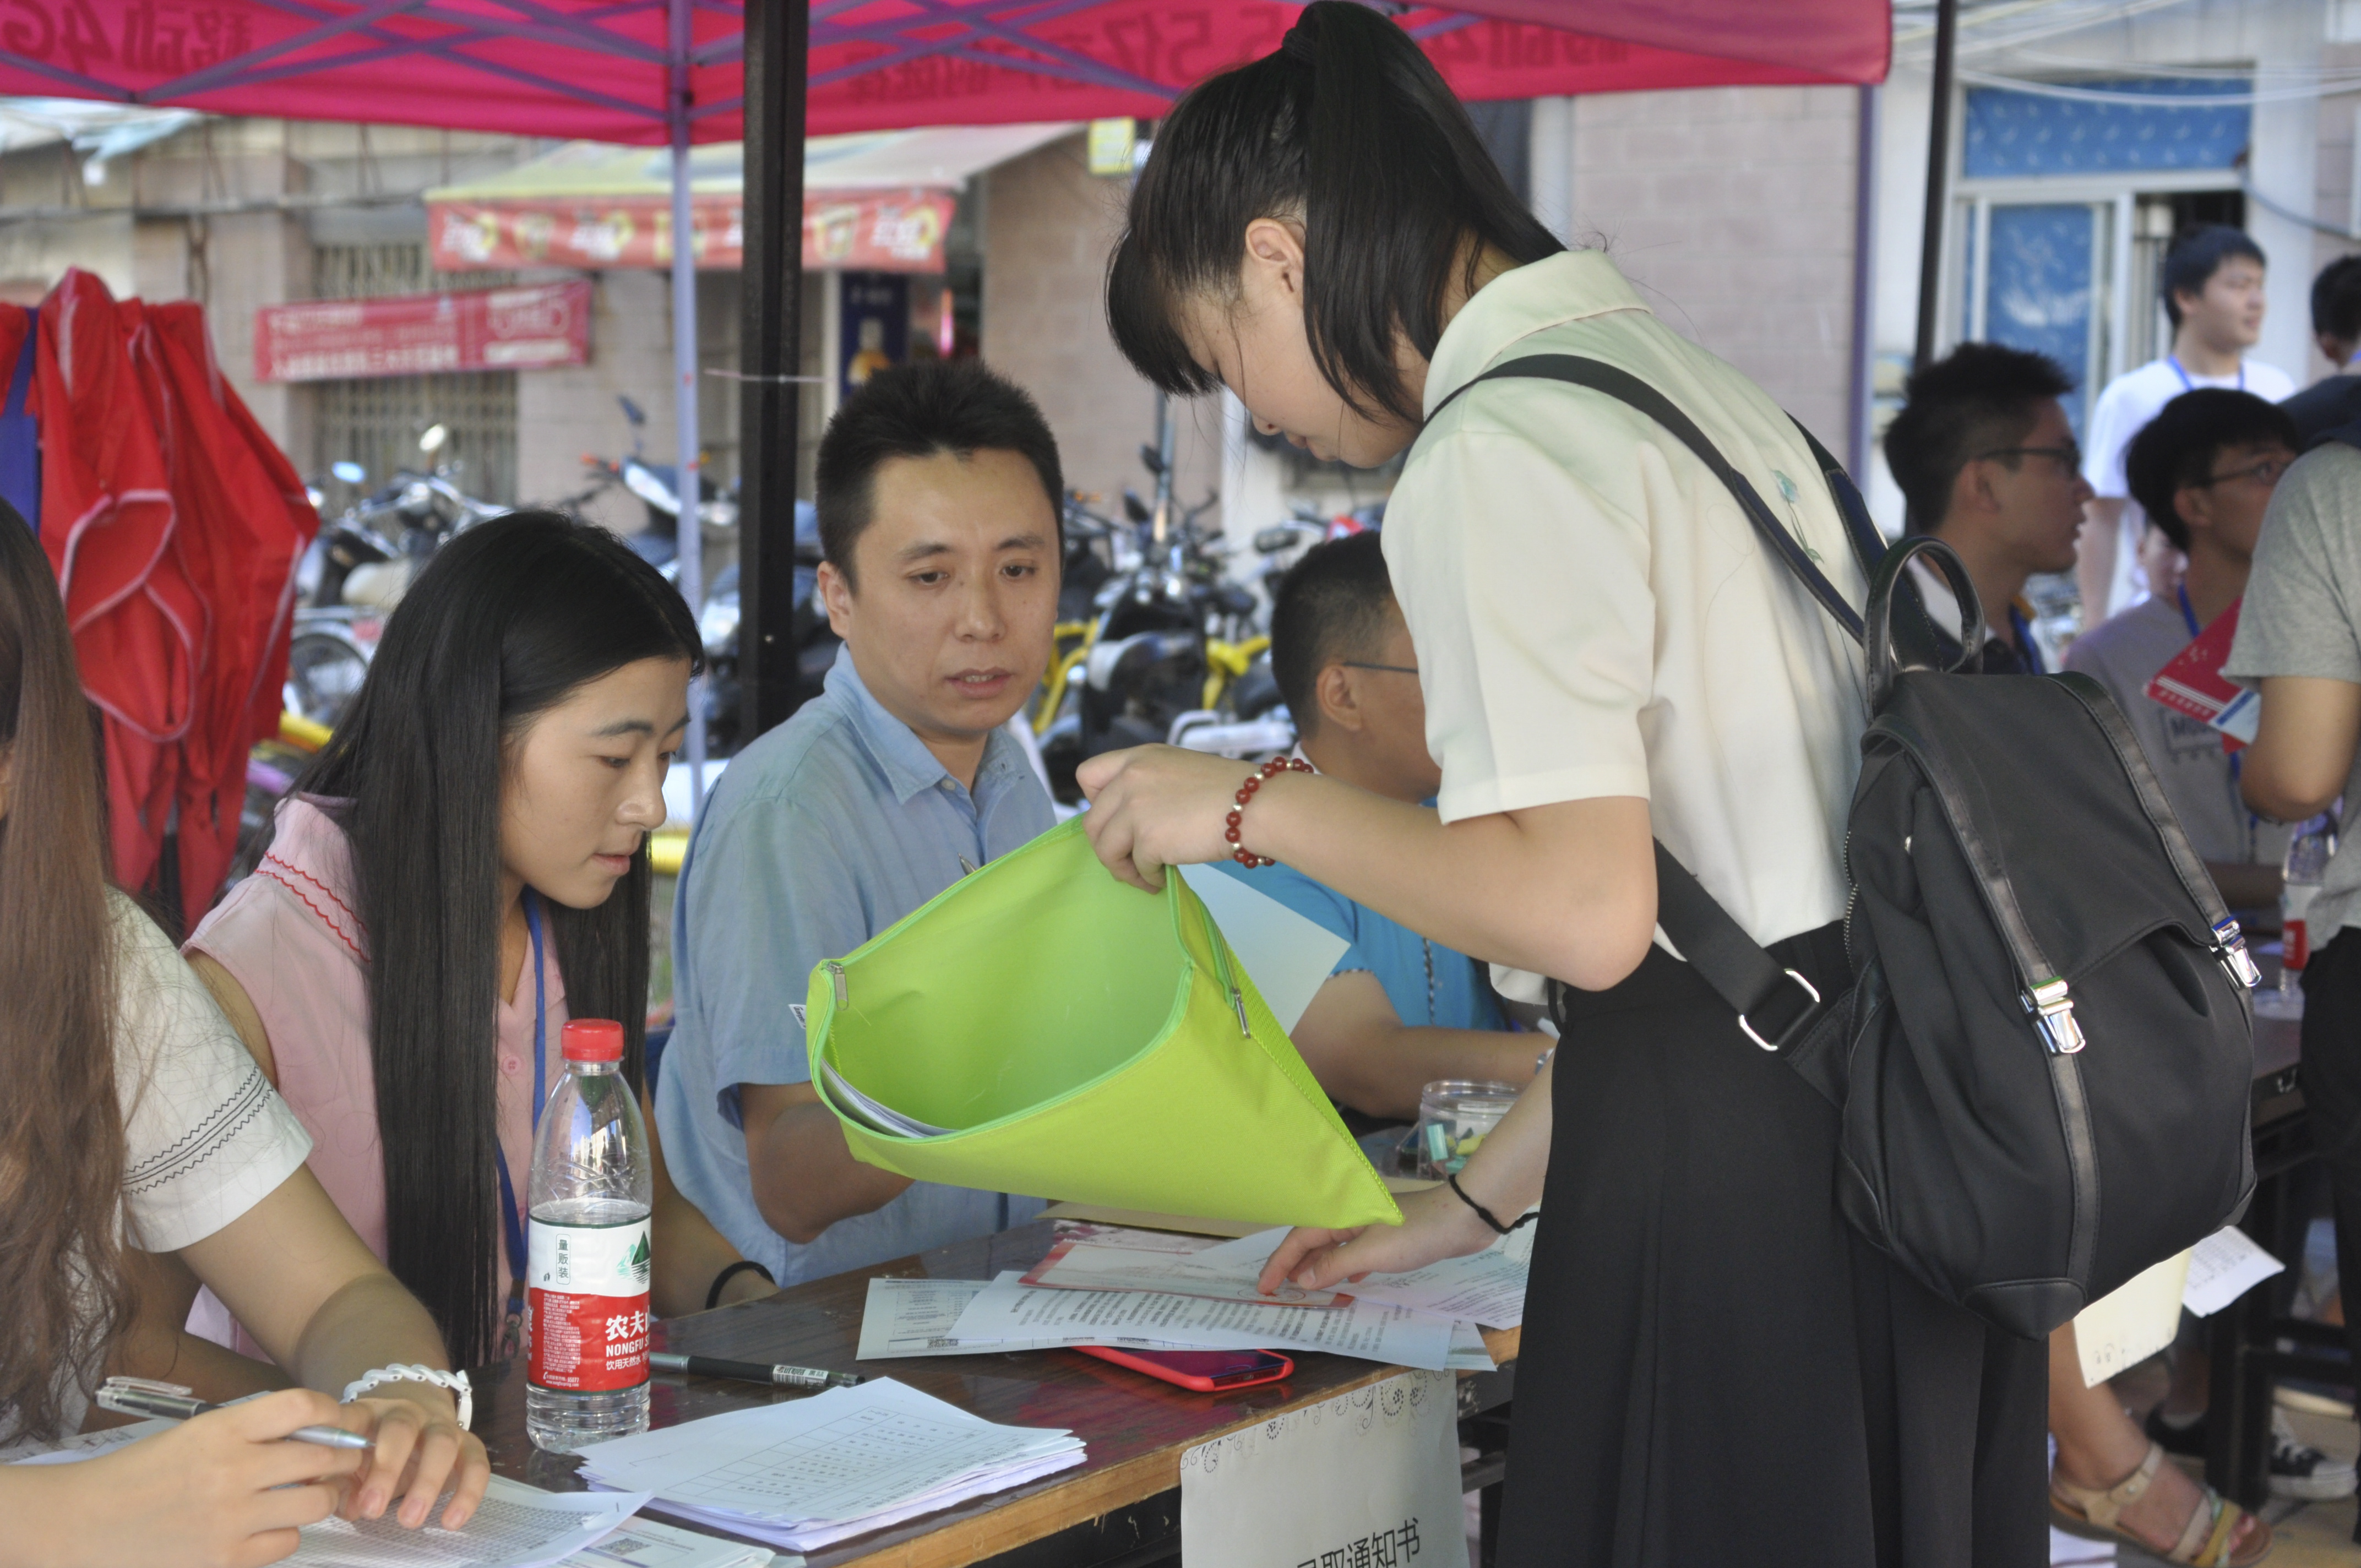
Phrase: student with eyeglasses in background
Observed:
(1987, 462)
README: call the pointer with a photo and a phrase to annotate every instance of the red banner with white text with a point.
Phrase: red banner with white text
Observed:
(871, 231)
(420, 335)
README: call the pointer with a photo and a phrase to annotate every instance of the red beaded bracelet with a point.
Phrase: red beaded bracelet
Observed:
(1271, 769)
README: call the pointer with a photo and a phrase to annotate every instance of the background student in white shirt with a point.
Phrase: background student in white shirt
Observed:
(1716, 1368)
(134, 1135)
(2212, 288)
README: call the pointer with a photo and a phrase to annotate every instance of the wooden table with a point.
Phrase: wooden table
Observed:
(1121, 1506)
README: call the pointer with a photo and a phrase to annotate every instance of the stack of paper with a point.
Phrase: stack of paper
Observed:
(516, 1526)
(879, 1116)
(803, 1474)
(643, 1543)
(1142, 1291)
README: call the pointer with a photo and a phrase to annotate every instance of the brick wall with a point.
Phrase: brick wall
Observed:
(1048, 225)
(1732, 211)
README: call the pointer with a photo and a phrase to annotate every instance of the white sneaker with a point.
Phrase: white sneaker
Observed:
(2300, 1470)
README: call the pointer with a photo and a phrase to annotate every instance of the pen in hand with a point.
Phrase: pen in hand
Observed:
(176, 1402)
(752, 1371)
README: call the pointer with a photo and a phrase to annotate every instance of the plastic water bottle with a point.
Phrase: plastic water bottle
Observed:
(587, 1266)
(2306, 863)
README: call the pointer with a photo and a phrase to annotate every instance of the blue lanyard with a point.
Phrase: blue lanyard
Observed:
(2027, 646)
(509, 1224)
(2189, 386)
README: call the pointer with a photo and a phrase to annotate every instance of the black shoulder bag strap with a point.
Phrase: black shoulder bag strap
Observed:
(1736, 966)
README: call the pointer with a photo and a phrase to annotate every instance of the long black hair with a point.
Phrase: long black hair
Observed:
(504, 623)
(1348, 128)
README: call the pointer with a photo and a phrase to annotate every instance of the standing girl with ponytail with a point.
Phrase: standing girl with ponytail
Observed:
(1716, 1368)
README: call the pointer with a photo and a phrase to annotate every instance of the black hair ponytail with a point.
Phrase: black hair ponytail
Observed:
(505, 621)
(1348, 128)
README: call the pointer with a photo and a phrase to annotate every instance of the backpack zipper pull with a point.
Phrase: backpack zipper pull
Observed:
(2053, 1014)
(836, 973)
(2230, 946)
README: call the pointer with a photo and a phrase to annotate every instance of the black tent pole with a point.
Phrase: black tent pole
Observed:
(778, 37)
(1938, 169)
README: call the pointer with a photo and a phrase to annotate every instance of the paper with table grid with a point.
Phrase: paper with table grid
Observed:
(802, 1474)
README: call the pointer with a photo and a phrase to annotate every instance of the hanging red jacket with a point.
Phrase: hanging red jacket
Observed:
(243, 523)
(108, 519)
(175, 526)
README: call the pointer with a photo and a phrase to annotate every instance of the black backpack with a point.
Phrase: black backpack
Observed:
(2043, 1064)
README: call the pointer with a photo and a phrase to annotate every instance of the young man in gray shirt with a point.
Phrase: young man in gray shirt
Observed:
(2300, 642)
(2203, 470)
(940, 495)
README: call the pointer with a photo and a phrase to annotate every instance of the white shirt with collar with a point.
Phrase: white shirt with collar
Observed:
(1594, 615)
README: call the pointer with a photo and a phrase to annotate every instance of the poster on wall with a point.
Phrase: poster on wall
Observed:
(422, 335)
(876, 331)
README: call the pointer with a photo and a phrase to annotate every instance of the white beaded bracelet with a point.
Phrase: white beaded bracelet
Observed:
(455, 1381)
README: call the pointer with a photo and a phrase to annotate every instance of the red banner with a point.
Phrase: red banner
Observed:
(419, 335)
(872, 231)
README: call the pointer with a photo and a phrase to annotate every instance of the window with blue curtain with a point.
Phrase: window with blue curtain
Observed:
(2013, 134)
(2040, 265)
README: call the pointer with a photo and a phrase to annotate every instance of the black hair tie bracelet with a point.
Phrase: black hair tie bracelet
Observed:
(713, 1294)
(1481, 1212)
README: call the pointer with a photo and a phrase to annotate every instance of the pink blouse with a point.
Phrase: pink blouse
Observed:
(290, 937)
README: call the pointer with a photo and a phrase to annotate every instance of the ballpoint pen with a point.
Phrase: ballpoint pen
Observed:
(752, 1371)
(176, 1402)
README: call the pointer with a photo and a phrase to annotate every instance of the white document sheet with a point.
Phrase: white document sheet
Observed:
(2222, 1268)
(1486, 1287)
(840, 1463)
(1085, 1266)
(2123, 1328)
(1469, 1351)
(1286, 956)
(920, 1317)
(645, 1543)
(1012, 1310)
(517, 1527)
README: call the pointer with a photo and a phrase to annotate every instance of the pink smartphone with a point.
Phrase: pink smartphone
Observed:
(1204, 1370)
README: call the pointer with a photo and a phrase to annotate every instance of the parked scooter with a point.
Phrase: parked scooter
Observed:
(657, 486)
(358, 568)
(718, 624)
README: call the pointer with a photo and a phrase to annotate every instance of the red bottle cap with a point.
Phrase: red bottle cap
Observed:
(594, 1039)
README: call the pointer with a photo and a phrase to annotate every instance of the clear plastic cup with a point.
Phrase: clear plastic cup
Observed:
(1455, 1116)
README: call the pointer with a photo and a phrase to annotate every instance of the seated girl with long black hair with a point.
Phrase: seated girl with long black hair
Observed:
(133, 1126)
(462, 868)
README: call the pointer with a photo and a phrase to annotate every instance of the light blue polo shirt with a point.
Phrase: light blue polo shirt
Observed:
(822, 833)
(1427, 982)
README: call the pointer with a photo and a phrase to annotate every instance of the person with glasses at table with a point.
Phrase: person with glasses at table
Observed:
(2213, 294)
(1987, 462)
(1399, 1010)
(2203, 470)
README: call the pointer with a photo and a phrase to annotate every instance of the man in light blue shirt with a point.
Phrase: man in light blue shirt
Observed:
(937, 491)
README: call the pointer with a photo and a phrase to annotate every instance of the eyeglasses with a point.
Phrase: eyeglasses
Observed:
(1397, 669)
(2069, 457)
(2265, 473)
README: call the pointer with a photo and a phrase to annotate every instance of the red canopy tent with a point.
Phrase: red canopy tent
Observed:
(604, 70)
(680, 72)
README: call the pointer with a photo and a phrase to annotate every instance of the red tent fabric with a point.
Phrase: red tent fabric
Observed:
(598, 68)
(174, 527)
